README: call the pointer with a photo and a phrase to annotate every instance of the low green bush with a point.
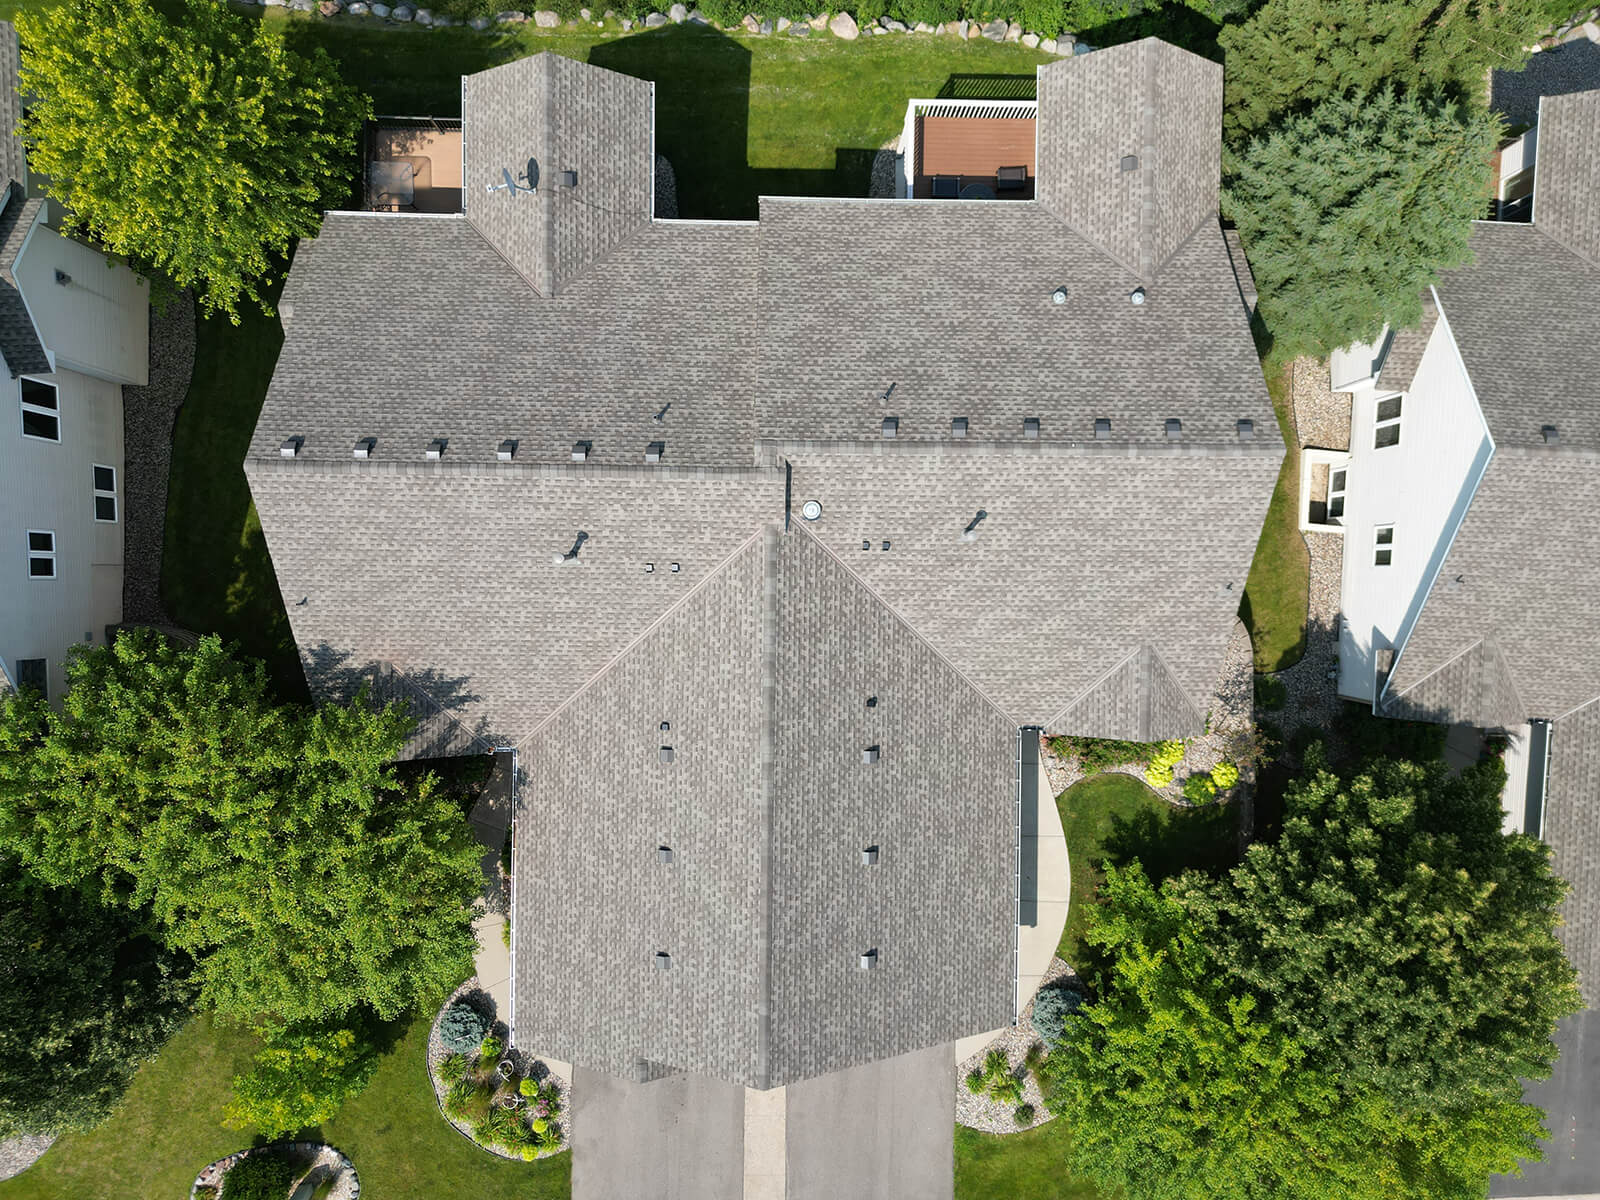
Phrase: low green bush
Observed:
(462, 1028)
(1224, 775)
(1271, 694)
(1103, 754)
(261, 1176)
(1051, 1008)
(1163, 759)
(1023, 1114)
(1198, 789)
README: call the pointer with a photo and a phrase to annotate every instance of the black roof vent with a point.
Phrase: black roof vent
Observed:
(1130, 162)
(580, 451)
(1247, 429)
(363, 447)
(1102, 429)
(1030, 428)
(869, 960)
(891, 426)
(507, 450)
(290, 447)
(663, 961)
(567, 179)
(653, 452)
(872, 702)
(1174, 429)
(1552, 435)
(435, 450)
(664, 855)
(958, 427)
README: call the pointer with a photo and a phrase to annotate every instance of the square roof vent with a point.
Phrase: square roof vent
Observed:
(958, 427)
(664, 855)
(1102, 429)
(290, 447)
(507, 450)
(363, 448)
(435, 450)
(580, 451)
(891, 426)
(1247, 429)
(870, 754)
(568, 179)
(1030, 428)
(668, 754)
(1130, 162)
(1174, 429)
(869, 856)
(1552, 435)
(869, 960)
(663, 961)
(653, 452)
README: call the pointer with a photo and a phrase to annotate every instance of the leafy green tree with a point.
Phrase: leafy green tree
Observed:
(1291, 55)
(1350, 210)
(1397, 935)
(85, 996)
(277, 845)
(1178, 1087)
(301, 1077)
(199, 147)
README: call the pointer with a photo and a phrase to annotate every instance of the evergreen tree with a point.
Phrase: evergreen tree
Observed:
(277, 845)
(199, 147)
(1349, 210)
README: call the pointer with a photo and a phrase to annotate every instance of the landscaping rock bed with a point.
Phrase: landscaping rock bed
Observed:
(315, 1162)
(1571, 64)
(666, 190)
(527, 1066)
(992, 1116)
(1312, 684)
(148, 416)
(1321, 415)
(19, 1153)
(882, 185)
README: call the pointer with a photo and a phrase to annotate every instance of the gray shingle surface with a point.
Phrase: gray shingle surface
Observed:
(1566, 200)
(419, 330)
(13, 165)
(565, 116)
(1086, 556)
(1406, 346)
(763, 676)
(1528, 560)
(1522, 315)
(19, 338)
(1147, 99)
(858, 295)
(1572, 827)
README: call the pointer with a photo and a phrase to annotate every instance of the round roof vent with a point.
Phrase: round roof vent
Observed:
(811, 510)
(1137, 295)
(1059, 296)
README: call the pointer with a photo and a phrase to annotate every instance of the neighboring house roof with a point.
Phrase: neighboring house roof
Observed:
(561, 116)
(13, 164)
(1566, 201)
(1403, 355)
(19, 338)
(1128, 152)
(568, 608)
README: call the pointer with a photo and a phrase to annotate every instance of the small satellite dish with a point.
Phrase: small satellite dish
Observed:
(505, 174)
(811, 510)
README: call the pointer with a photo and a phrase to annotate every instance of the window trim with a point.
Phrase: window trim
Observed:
(102, 494)
(39, 410)
(1381, 547)
(1379, 424)
(42, 555)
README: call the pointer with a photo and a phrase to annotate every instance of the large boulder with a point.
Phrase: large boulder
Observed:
(478, 23)
(892, 25)
(546, 19)
(511, 18)
(654, 21)
(799, 31)
(381, 10)
(844, 26)
(1014, 32)
(1048, 45)
(995, 30)
(1081, 47)
(766, 27)
(922, 27)
(696, 17)
(750, 24)
(400, 12)
(328, 8)
(783, 23)
(678, 14)
(1030, 40)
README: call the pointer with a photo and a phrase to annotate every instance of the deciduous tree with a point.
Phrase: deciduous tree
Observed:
(200, 147)
(276, 844)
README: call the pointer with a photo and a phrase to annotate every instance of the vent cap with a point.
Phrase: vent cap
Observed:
(290, 447)
(580, 451)
(654, 451)
(435, 450)
(869, 856)
(1174, 429)
(811, 510)
(1552, 435)
(891, 426)
(663, 961)
(869, 960)
(1102, 429)
(1247, 429)
(363, 447)
(668, 754)
(870, 754)
(1030, 428)
(664, 855)
(507, 450)
(958, 427)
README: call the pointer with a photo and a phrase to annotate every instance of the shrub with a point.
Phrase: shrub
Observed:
(205, 1191)
(1158, 777)
(1103, 754)
(463, 1028)
(529, 1153)
(1198, 789)
(1023, 1114)
(1271, 694)
(1165, 757)
(529, 1087)
(489, 1053)
(1224, 775)
(975, 1081)
(300, 1077)
(1051, 1008)
(453, 1068)
(258, 1177)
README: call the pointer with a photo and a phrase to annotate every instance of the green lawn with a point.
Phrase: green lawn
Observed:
(1115, 818)
(169, 1127)
(1017, 1166)
(1278, 588)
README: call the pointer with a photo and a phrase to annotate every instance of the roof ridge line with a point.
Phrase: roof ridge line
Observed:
(1092, 685)
(633, 642)
(416, 689)
(1578, 708)
(1504, 663)
(770, 535)
(910, 627)
(1166, 666)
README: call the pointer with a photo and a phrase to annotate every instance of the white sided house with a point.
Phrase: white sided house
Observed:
(74, 327)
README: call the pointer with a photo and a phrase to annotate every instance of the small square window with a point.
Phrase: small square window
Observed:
(105, 493)
(40, 410)
(41, 554)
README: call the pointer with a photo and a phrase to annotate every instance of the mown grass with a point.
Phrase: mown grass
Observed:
(1277, 591)
(170, 1125)
(1018, 1166)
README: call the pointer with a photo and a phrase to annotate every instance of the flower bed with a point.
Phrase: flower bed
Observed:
(330, 1174)
(507, 1103)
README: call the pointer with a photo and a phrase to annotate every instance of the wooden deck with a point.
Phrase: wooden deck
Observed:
(972, 149)
(435, 158)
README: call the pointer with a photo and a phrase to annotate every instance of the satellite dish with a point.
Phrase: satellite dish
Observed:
(532, 174)
(505, 174)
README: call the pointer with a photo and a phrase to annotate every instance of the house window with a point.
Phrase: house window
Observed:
(105, 493)
(41, 554)
(1388, 427)
(1336, 484)
(41, 415)
(34, 673)
(1382, 545)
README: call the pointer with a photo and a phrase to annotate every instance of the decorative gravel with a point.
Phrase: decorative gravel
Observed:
(316, 1161)
(527, 1065)
(19, 1153)
(1569, 66)
(882, 185)
(666, 189)
(148, 416)
(980, 1112)
(1321, 415)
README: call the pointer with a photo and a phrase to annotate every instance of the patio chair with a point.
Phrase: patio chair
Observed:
(946, 187)
(1011, 179)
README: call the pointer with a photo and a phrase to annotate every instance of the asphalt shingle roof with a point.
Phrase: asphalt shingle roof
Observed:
(19, 337)
(1572, 827)
(13, 164)
(1567, 176)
